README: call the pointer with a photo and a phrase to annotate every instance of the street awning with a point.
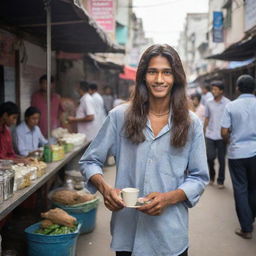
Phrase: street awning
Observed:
(129, 73)
(72, 28)
(242, 50)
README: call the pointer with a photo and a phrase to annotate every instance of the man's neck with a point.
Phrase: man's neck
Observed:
(159, 106)
(218, 98)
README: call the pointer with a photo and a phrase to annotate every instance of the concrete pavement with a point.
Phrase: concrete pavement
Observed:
(212, 225)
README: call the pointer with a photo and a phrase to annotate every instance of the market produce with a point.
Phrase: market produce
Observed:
(59, 216)
(56, 229)
(70, 197)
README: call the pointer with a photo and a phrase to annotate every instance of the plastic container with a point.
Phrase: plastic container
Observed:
(54, 245)
(84, 213)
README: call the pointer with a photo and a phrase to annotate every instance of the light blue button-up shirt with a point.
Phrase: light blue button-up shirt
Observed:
(27, 140)
(240, 115)
(151, 166)
(214, 111)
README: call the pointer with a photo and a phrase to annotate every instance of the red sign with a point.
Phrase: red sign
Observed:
(103, 11)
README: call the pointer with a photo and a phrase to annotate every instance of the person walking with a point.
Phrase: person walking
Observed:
(85, 114)
(215, 145)
(159, 148)
(238, 127)
(98, 105)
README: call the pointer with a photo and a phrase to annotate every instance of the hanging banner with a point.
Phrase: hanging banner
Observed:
(218, 35)
(103, 11)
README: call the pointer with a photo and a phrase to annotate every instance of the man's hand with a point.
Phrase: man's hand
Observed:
(71, 119)
(159, 201)
(112, 200)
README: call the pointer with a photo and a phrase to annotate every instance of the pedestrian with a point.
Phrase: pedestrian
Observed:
(238, 126)
(100, 114)
(206, 94)
(85, 114)
(108, 98)
(197, 107)
(215, 145)
(39, 100)
(28, 136)
(159, 148)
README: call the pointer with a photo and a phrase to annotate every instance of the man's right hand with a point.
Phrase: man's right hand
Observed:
(112, 199)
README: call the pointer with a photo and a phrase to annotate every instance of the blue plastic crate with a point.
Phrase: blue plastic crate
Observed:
(51, 245)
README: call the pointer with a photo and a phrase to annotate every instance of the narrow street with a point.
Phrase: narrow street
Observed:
(212, 225)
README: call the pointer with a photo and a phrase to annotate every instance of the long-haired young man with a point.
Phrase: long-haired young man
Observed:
(159, 148)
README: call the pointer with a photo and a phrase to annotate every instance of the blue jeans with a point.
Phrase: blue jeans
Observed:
(243, 176)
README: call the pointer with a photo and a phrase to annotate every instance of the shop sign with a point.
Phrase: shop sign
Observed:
(103, 11)
(249, 15)
(218, 35)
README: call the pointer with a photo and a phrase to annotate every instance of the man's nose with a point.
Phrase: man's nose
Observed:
(160, 78)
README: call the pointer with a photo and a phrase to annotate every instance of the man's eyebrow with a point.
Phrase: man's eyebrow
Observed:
(158, 69)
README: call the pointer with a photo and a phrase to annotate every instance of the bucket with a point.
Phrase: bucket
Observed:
(50, 245)
(84, 213)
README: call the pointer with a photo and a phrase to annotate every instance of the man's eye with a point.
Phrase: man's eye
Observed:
(151, 71)
(168, 72)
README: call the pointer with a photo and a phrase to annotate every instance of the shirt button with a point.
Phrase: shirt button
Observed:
(150, 161)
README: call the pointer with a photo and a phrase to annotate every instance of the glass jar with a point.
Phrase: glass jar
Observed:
(8, 178)
(1, 187)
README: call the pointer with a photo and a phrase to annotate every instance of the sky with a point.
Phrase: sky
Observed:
(163, 20)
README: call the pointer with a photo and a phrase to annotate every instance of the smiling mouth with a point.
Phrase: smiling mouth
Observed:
(159, 86)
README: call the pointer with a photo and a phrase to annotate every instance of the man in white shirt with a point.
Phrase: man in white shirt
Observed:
(85, 113)
(98, 105)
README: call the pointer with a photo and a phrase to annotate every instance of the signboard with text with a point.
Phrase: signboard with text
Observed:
(103, 11)
(218, 35)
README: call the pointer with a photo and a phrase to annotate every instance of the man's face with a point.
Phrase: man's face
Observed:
(43, 86)
(216, 92)
(159, 77)
(10, 119)
(33, 120)
(195, 101)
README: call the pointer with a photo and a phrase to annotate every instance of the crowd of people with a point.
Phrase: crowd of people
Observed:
(19, 142)
(230, 130)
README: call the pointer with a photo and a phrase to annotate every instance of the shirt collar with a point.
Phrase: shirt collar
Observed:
(247, 95)
(26, 128)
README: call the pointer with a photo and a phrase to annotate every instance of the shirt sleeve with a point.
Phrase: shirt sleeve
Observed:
(95, 156)
(20, 142)
(89, 107)
(197, 172)
(207, 111)
(226, 119)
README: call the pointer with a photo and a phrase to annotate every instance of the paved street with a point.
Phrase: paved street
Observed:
(212, 225)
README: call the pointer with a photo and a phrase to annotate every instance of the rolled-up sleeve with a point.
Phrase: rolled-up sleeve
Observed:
(197, 173)
(95, 156)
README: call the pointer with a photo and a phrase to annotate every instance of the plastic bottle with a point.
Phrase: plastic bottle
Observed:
(47, 154)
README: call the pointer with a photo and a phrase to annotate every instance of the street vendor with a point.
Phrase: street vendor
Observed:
(9, 113)
(159, 149)
(28, 136)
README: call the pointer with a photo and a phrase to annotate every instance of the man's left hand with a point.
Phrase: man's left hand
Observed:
(159, 201)
(157, 205)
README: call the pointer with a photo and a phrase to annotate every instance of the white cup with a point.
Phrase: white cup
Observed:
(130, 196)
